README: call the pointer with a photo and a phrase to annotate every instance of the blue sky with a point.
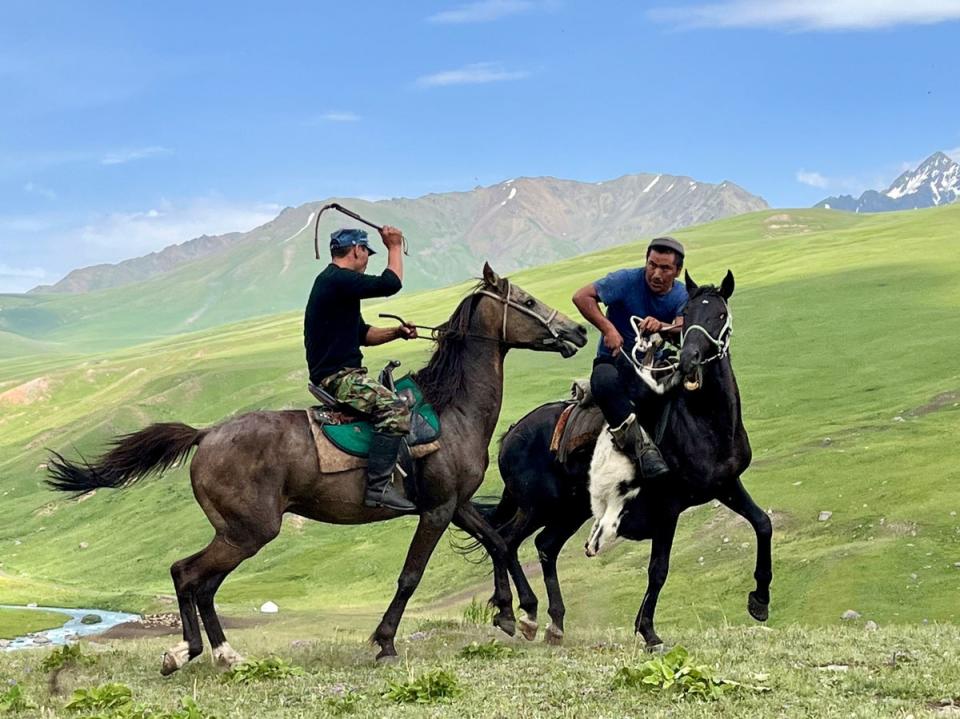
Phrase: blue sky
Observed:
(125, 127)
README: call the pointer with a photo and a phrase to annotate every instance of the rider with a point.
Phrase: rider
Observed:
(334, 330)
(655, 294)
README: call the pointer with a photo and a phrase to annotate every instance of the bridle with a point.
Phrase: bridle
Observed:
(721, 341)
(508, 302)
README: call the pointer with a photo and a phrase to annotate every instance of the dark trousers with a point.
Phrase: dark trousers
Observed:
(615, 388)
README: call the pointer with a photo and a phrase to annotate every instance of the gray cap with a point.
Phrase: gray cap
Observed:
(666, 243)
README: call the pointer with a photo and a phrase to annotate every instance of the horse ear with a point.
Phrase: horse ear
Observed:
(726, 287)
(688, 280)
(489, 276)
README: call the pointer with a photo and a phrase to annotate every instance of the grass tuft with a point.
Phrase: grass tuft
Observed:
(439, 685)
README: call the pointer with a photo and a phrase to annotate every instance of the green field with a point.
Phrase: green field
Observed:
(16, 622)
(845, 346)
(836, 672)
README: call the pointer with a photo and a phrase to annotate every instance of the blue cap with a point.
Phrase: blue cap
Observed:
(350, 238)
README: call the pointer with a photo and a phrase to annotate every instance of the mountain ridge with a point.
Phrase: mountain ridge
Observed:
(516, 229)
(936, 181)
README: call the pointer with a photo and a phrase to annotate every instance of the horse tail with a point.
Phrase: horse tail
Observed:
(131, 458)
(500, 513)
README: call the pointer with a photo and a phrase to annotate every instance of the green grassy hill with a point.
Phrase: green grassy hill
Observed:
(845, 346)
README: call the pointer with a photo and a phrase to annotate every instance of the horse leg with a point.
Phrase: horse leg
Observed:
(524, 525)
(192, 644)
(739, 500)
(656, 577)
(549, 543)
(429, 530)
(219, 559)
(469, 519)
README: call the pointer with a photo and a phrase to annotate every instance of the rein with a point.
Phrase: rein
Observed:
(721, 342)
(507, 303)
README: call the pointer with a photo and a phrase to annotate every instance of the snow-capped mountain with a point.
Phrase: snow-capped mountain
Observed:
(935, 182)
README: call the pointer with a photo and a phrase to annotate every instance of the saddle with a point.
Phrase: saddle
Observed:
(578, 426)
(342, 434)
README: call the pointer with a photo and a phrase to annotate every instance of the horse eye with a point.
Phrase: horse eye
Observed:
(531, 303)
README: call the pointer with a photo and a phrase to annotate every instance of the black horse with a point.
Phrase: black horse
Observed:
(705, 444)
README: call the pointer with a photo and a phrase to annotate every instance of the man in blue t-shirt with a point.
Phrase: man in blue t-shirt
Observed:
(655, 294)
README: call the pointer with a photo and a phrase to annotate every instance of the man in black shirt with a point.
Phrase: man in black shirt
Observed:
(334, 331)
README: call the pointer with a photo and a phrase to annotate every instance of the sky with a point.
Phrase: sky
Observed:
(126, 127)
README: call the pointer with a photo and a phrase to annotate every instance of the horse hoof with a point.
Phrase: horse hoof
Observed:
(224, 656)
(169, 665)
(553, 636)
(655, 646)
(507, 626)
(528, 628)
(758, 609)
(386, 659)
(175, 657)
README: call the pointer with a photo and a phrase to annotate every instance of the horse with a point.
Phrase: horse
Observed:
(705, 444)
(250, 470)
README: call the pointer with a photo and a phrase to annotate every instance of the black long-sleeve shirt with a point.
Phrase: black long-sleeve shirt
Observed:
(333, 328)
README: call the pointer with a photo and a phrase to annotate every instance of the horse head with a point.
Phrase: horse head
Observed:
(521, 320)
(707, 326)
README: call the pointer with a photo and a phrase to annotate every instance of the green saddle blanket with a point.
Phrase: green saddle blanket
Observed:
(354, 437)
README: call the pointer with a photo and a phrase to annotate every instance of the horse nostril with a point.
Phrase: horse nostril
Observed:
(581, 329)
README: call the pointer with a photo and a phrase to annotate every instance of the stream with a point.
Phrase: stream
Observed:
(72, 629)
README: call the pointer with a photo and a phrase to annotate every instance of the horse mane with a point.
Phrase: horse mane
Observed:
(704, 290)
(442, 380)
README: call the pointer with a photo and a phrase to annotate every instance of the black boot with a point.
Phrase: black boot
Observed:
(630, 439)
(384, 450)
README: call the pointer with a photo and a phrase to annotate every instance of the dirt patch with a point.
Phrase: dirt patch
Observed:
(941, 401)
(484, 590)
(27, 393)
(158, 625)
(778, 218)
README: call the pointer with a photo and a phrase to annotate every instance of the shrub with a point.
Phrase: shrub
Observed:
(674, 672)
(436, 686)
(13, 698)
(487, 650)
(479, 613)
(68, 654)
(105, 696)
(255, 670)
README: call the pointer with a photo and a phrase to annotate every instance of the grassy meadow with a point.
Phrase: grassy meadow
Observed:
(845, 348)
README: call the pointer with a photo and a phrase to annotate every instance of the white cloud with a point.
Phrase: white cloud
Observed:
(814, 179)
(34, 189)
(122, 157)
(475, 74)
(340, 117)
(121, 235)
(482, 11)
(954, 154)
(811, 14)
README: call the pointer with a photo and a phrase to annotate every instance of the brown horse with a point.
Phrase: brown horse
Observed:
(249, 470)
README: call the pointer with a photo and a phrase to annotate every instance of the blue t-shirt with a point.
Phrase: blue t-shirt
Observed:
(626, 293)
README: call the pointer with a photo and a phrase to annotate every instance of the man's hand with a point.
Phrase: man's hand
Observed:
(407, 332)
(613, 341)
(392, 237)
(650, 325)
